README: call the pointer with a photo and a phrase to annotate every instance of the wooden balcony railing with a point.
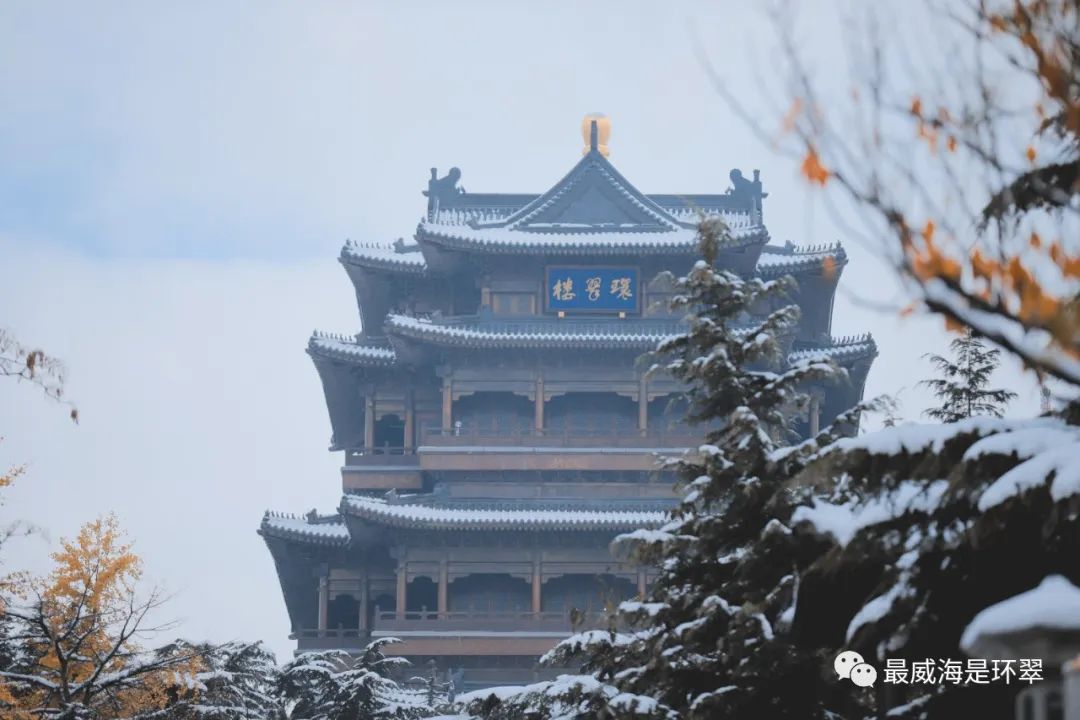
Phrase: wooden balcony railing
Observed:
(481, 621)
(561, 437)
(386, 456)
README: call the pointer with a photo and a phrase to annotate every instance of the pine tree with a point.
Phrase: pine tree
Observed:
(961, 385)
(334, 685)
(235, 681)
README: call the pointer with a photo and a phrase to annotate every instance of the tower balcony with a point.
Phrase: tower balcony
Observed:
(462, 448)
(455, 633)
(381, 468)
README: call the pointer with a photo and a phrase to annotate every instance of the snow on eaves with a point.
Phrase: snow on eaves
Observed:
(579, 239)
(844, 349)
(347, 347)
(418, 514)
(775, 260)
(389, 256)
(313, 529)
(526, 334)
(1054, 604)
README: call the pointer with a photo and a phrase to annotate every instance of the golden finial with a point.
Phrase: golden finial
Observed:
(595, 131)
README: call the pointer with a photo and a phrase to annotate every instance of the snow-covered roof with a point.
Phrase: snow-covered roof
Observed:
(1053, 605)
(778, 260)
(314, 529)
(538, 333)
(430, 514)
(351, 348)
(584, 239)
(842, 350)
(398, 257)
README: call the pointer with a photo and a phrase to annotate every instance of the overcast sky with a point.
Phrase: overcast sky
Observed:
(176, 180)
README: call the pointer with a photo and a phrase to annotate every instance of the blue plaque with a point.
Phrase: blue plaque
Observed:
(591, 289)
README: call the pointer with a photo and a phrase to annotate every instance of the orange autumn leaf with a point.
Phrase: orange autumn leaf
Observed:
(953, 325)
(1071, 267)
(791, 116)
(916, 106)
(1030, 154)
(1035, 241)
(982, 267)
(813, 170)
(928, 231)
(828, 267)
(951, 144)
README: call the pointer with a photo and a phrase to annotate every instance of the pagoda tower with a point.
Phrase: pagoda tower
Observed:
(496, 427)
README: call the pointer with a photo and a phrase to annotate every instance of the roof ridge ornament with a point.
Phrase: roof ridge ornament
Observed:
(595, 131)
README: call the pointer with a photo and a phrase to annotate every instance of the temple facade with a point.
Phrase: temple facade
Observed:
(496, 426)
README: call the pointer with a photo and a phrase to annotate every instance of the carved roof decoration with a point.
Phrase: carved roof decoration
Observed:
(593, 209)
(397, 256)
(842, 350)
(778, 260)
(313, 529)
(351, 348)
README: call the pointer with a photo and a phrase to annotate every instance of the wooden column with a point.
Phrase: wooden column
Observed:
(369, 422)
(643, 406)
(444, 584)
(324, 601)
(537, 582)
(402, 579)
(409, 421)
(363, 620)
(815, 415)
(642, 584)
(538, 418)
(447, 406)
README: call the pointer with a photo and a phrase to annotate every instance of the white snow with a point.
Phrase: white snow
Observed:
(384, 252)
(566, 333)
(1054, 604)
(1025, 442)
(506, 238)
(409, 513)
(877, 608)
(1063, 462)
(913, 438)
(348, 345)
(291, 523)
(843, 521)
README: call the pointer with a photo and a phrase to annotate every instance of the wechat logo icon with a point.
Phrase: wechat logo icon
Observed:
(849, 665)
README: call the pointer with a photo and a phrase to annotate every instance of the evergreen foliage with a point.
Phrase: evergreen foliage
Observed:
(962, 381)
(335, 685)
